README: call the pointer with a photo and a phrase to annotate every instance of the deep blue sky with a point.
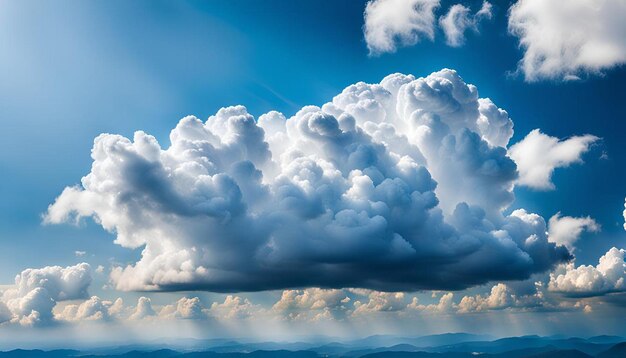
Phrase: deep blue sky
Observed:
(75, 69)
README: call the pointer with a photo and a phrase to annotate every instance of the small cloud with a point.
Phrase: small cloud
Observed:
(538, 155)
(604, 155)
(566, 230)
(390, 24)
(565, 39)
(459, 19)
(80, 253)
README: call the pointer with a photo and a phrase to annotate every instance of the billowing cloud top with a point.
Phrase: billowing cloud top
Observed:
(392, 186)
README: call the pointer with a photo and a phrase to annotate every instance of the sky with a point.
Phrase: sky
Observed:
(463, 167)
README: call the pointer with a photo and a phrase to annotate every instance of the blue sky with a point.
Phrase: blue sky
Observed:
(71, 70)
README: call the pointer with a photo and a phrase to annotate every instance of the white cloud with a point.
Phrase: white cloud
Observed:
(93, 309)
(80, 253)
(494, 124)
(233, 307)
(459, 19)
(445, 305)
(36, 291)
(393, 186)
(564, 39)
(117, 309)
(185, 308)
(390, 24)
(566, 230)
(143, 309)
(500, 297)
(380, 302)
(537, 155)
(608, 276)
(312, 303)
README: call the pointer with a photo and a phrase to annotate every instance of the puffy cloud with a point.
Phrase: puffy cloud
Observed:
(459, 19)
(563, 39)
(93, 309)
(117, 308)
(233, 307)
(32, 308)
(143, 309)
(521, 296)
(61, 283)
(312, 303)
(36, 291)
(566, 230)
(381, 302)
(445, 305)
(500, 297)
(393, 186)
(185, 308)
(393, 23)
(587, 280)
(526, 296)
(538, 154)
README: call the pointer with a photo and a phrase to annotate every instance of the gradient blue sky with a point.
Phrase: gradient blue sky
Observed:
(70, 70)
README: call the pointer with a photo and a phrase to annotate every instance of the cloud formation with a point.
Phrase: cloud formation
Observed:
(380, 302)
(393, 23)
(185, 308)
(538, 155)
(564, 39)
(393, 186)
(143, 309)
(566, 230)
(233, 307)
(312, 306)
(500, 297)
(37, 291)
(93, 309)
(587, 280)
(459, 19)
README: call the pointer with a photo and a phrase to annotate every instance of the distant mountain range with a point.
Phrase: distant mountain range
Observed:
(451, 345)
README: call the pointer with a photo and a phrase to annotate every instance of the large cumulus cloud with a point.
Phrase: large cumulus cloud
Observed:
(393, 186)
